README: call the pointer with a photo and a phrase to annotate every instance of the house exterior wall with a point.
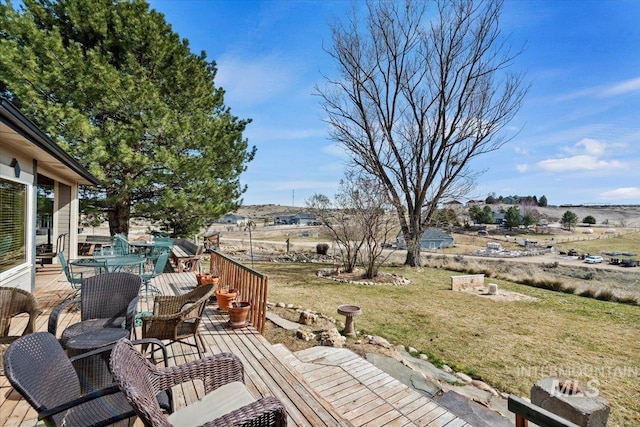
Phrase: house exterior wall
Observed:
(37, 156)
(20, 276)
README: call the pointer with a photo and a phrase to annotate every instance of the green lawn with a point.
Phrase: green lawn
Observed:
(510, 345)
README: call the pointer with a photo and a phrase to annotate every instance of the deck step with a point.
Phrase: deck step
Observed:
(287, 355)
(366, 394)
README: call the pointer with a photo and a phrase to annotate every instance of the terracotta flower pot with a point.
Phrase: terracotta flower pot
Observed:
(207, 278)
(238, 314)
(224, 299)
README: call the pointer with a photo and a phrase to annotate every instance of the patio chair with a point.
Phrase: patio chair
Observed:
(38, 368)
(177, 318)
(60, 244)
(121, 244)
(74, 279)
(158, 269)
(227, 401)
(14, 301)
(106, 300)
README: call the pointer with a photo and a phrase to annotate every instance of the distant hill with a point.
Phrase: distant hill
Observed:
(606, 215)
(260, 212)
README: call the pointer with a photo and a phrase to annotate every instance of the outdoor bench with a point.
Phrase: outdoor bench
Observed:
(87, 244)
(186, 255)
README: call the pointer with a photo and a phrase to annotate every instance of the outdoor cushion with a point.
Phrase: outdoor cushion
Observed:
(219, 402)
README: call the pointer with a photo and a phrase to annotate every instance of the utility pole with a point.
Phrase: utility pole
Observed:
(293, 197)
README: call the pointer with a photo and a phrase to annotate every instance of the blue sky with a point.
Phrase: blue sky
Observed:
(576, 138)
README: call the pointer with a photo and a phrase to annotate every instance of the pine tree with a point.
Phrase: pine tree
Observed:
(111, 83)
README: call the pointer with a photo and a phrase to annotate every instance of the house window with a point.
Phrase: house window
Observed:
(13, 219)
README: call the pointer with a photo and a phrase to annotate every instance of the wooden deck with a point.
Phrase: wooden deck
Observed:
(320, 386)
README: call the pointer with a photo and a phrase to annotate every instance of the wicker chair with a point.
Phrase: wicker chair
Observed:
(107, 300)
(227, 401)
(38, 368)
(177, 318)
(14, 301)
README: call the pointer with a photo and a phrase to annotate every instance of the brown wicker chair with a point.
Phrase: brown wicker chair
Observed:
(38, 368)
(177, 318)
(106, 300)
(14, 301)
(227, 401)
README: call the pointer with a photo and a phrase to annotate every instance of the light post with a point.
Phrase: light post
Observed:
(250, 224)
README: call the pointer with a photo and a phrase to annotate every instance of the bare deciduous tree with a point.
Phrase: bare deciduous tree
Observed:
(359, 221)
(420, 94)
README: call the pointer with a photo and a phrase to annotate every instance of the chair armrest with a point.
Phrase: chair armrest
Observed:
(55, 313)
(148, 341)
(215, 371)
(131, 314)
(266, 411)
(31, 324)
(82, 399)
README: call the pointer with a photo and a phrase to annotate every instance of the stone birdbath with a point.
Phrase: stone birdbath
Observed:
(349, 311)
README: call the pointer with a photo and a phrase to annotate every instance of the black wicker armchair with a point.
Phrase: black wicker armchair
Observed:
(107, 300)
(227, 401)
(38, 368)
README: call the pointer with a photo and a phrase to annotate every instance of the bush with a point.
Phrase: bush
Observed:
(588, 293)
(605, 295)
(569, 289)
(322, 248)
(628, 300)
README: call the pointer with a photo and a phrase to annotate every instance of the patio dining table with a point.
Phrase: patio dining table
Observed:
(113, 263)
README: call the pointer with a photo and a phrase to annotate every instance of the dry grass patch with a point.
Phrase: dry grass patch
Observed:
(510, 345)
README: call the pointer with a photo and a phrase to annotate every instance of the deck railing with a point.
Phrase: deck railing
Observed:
(251, 286)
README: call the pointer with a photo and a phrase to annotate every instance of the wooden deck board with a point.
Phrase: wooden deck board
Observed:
(324, 386)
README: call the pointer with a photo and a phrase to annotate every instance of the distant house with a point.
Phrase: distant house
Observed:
(234, 219)
(303, 219)
(476, 202)
(432, 238)
(281, 219)
(452, 204)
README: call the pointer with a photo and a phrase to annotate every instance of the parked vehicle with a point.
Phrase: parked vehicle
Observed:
(593, 259)
(628, 263)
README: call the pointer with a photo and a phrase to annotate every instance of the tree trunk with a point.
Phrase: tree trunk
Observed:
(413, 251)
(119, 218)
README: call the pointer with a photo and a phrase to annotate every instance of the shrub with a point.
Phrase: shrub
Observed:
(605, 295)
(322, 248)
(628, 300)
(569, 289)
(588, 293)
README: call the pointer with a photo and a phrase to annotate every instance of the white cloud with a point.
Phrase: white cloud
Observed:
(621, 193)
(521, 150)
(256, 80)
(620, 88)
(589, 147)
(632, 85)
(579, 162)
(276, 134)
(336, 150)
(587, 154)
(522, 168)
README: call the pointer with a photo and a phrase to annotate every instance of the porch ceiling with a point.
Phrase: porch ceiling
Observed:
(21, 136)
